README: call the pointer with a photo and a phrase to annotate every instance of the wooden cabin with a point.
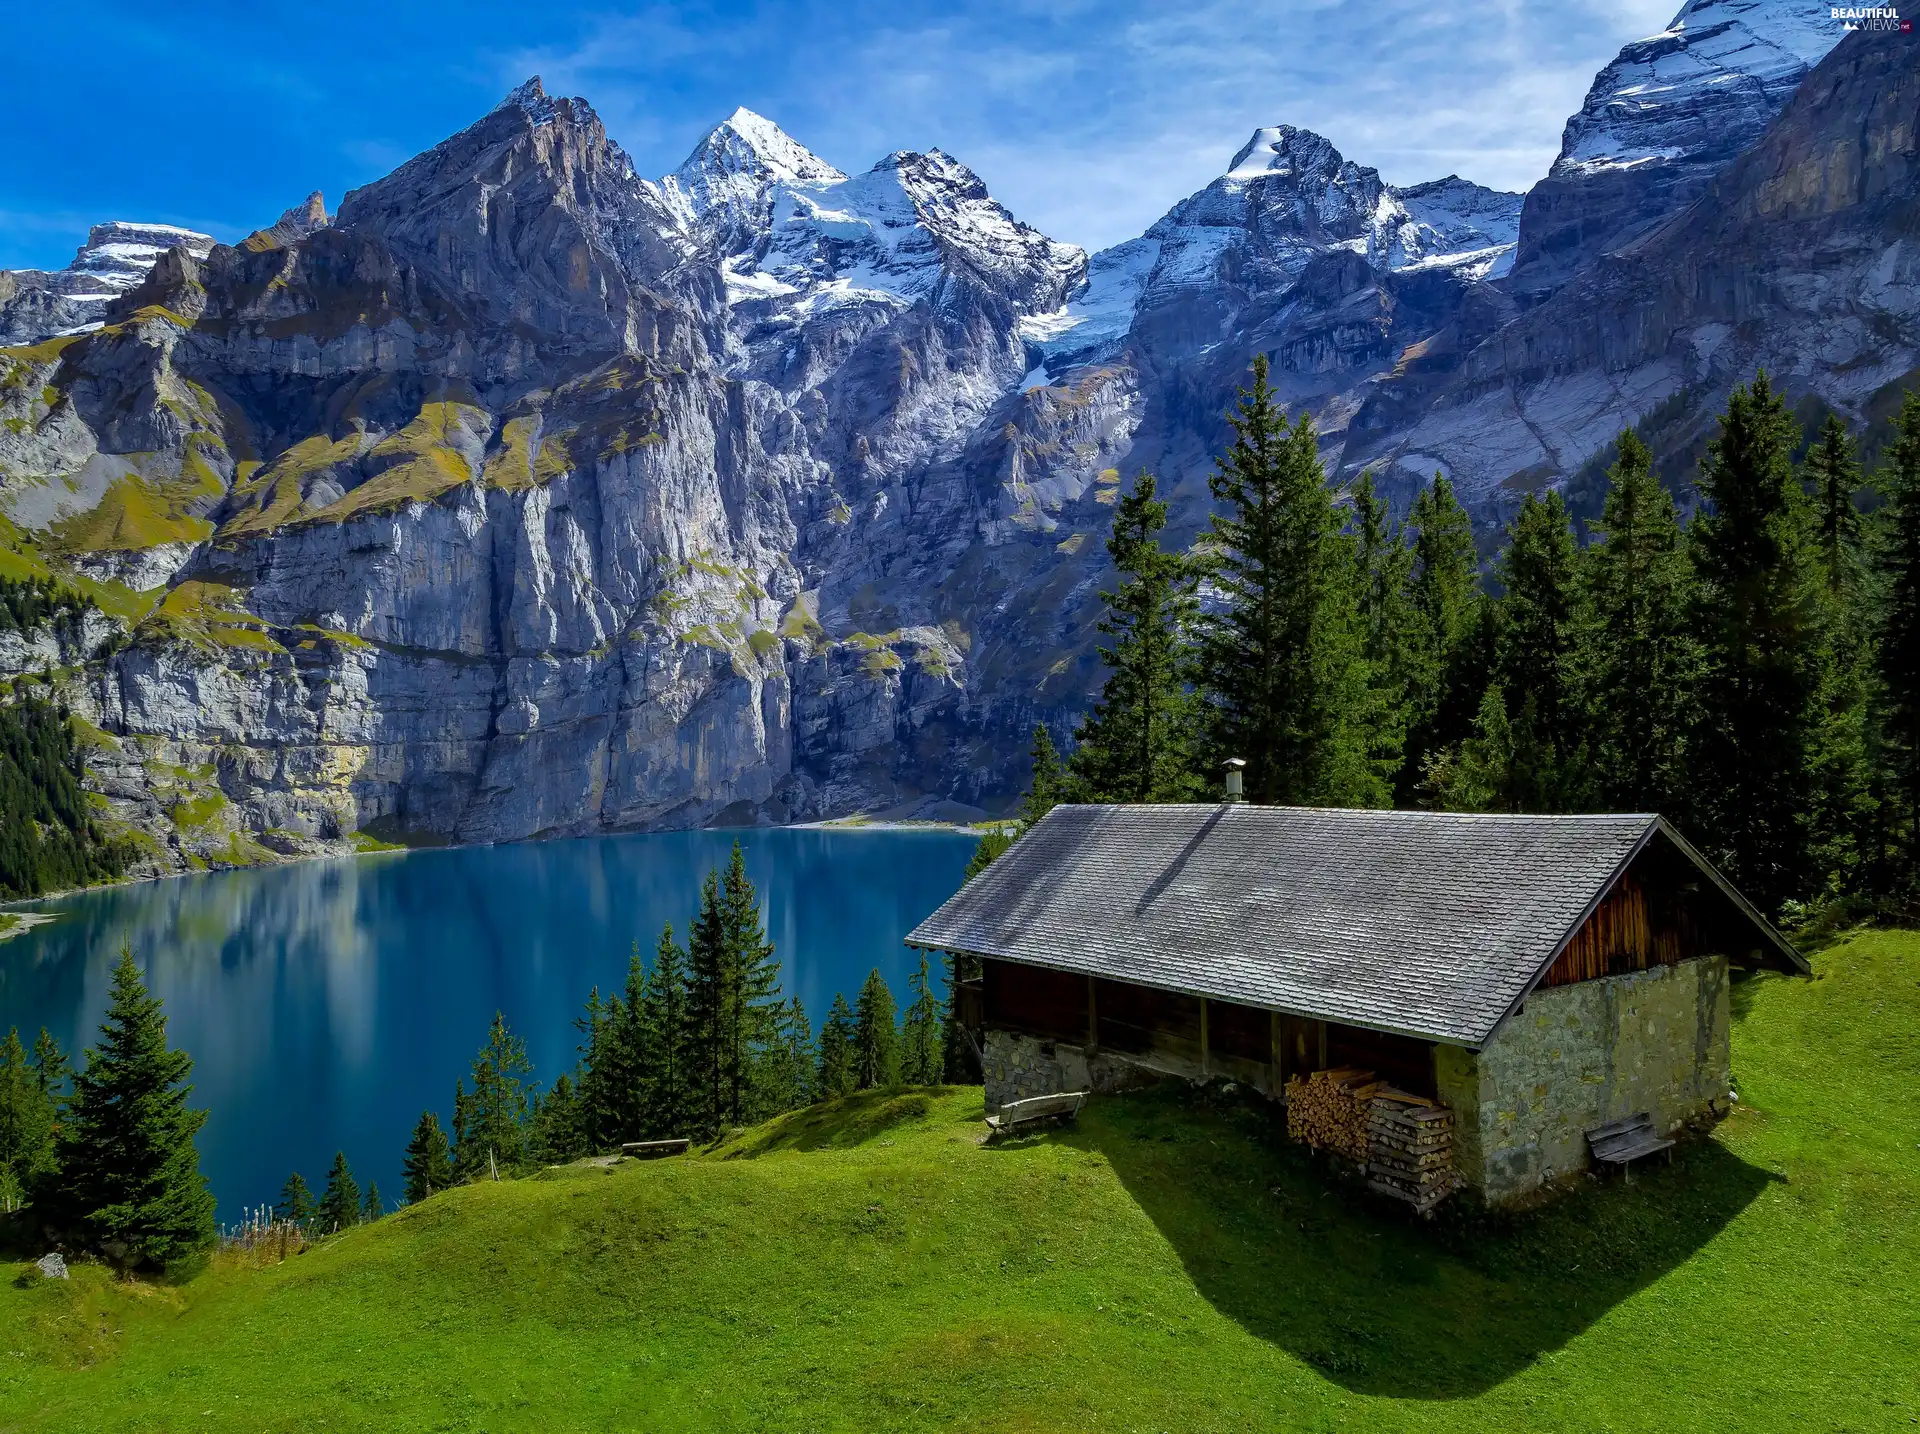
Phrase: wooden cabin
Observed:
(1539, 975)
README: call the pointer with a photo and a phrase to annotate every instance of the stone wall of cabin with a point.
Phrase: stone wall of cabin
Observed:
(1578, 1056)
(1016, 1066)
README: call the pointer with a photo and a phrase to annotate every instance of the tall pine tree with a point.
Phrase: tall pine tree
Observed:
(1280, 665)
(556, 1132)
(339, 1207)
(1385, 567)
(784, 1069)
(1637, 653)
(129, 1182)
(1136, 743)
(1843, 806)
(295, 1205)
(1757, 617)
(1896, 555)
(428, 1165)
(837, 1076)
(876, 1040)
(922, 1059)
(31, 1095)
(1833, 476)
(732, 995)
(1445, 680)
(669, 1093)
(1536, 624)
(491, 1126)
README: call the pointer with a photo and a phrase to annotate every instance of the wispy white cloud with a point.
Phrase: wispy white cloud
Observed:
(1091, 120)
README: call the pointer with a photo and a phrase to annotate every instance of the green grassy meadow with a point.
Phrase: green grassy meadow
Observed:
(1171, 1264)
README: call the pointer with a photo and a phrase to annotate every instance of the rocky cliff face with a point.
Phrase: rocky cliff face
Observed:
(526, 495)
(1797, 257)
(1660, 123)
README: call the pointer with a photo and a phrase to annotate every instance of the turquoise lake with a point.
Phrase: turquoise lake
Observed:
(326, 1004)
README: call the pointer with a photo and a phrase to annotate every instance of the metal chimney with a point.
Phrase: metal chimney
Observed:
(1236, 789)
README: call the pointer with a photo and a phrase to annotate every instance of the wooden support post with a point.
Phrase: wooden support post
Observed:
(1321, 1027)
(1276, 1056)
(1206, 1060)
(1093, 1019)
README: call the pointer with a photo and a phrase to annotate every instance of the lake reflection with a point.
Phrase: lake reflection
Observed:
(326, 1004)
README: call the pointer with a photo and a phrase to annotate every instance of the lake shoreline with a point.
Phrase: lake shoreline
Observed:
(14, 905)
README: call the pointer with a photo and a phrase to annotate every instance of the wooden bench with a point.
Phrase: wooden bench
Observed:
(1017, 1114)
(654, 1149)
(1621, 1142)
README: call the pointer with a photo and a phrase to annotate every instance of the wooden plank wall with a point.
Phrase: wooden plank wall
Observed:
(1635, 927)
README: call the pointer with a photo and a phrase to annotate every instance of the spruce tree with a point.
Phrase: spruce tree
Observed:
(991, 844)
(1637, 653)
(732, 991)
(837, 1075)
(373, 1209)
(1385, 566)
(555, 1135)
(1049, 786)
(1833, 474)
(876, 1041)
(600, 1071)
(1843, 807)
(922, 1059)
(1136, 742)
(1280, 665)
(784, 1069)
(492, 1124)
(1896, 555)
(339, 1207)
(129, 1181)
(295, 1205)
(30, 1099)
(1756, 613)
(628, 1056)
(429, 1163)
(760, 1004)
(1536, 629)
(1444, 615)
(669, 1089)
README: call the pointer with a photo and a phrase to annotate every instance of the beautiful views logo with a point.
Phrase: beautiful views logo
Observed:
(1883, 18)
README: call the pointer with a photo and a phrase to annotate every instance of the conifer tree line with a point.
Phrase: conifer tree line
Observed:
(1751, 672)
(101, 1160)
(698, 1041)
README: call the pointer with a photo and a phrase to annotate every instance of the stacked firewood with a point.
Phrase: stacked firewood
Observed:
(1331, 1110)
(1410, 1149)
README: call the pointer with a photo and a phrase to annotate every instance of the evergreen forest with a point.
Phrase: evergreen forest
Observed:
(1749, 672)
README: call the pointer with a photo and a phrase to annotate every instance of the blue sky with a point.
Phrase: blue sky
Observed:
(1086, 119)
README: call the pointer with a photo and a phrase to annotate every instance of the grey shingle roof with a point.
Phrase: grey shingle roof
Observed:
(1429, 924)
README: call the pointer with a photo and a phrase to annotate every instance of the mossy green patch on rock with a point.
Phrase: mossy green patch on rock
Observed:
(208, 615)
(137, 513)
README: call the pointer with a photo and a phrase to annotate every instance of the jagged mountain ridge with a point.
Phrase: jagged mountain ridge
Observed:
(531, 496)
(41, 303)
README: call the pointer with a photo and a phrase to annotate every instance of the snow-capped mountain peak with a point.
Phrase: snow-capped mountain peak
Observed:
(728, 179)
(788, 160)
(533, 98)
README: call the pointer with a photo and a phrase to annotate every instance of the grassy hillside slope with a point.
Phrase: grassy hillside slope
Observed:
(1169, 1265)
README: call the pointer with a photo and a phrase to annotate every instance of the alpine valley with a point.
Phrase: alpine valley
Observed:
(524, 495)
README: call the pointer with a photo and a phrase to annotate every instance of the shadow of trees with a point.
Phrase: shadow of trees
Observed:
(836, 1124)
(1303, 1256)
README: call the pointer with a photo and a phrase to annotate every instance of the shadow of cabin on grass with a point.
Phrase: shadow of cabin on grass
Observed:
(1378, 1301)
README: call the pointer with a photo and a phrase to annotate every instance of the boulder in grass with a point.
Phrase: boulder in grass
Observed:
(51, 1267)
